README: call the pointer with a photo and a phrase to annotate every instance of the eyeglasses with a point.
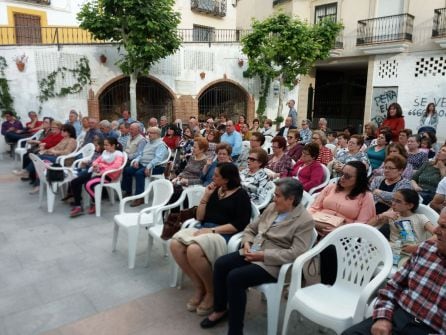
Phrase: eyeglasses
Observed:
(351, 142)
(347, 176)
(390, 168)
(315, 138)
(252, 159)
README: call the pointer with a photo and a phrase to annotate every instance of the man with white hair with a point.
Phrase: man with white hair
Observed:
(146, 163)
(73, 119)
(163, 125)
(153, 122)
(288, 126)
(322, 124)
(106, 129)
(209, 125)
(135, 143)
(93, 132)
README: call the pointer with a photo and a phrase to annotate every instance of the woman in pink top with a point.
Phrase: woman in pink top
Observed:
(349, 199)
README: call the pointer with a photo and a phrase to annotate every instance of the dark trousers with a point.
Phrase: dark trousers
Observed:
(232, 277)
(402, 324)
(76, 186)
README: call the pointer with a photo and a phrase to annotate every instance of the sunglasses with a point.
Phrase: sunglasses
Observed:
(252, 159)
(347, 176)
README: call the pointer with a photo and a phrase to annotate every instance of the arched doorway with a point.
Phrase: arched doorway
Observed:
(152, 100)
(222, 98)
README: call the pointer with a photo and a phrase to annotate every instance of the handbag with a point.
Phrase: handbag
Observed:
(328, 218)
(55, 175)
(174, 221)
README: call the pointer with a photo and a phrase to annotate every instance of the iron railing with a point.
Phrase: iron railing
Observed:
(213, 7)
(75, 35)
(393, 28)
(40, 2)
(439, 27)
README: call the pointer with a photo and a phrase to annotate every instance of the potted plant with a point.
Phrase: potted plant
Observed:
(103, 58)
(20, 61)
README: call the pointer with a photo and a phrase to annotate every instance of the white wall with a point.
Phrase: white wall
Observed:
(180, 72)
(415, 92)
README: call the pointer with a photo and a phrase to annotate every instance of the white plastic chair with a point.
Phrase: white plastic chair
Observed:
(332, 148)
(51, 189)
(307, 199)
(324, 183)
(193, 194)
(86, 152)
(273, 293)
(23, 146)
(269, 196)
(162, 191)
(233, 245)
(364, 261)
(113, 185)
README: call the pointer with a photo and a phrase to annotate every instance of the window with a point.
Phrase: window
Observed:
(203, 34)
(329, 10)
(28, 29)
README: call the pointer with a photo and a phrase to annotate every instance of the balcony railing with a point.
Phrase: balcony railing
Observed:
(394, 28)
(75, 35)
(439, 27)
(40, 2)
(213, 7)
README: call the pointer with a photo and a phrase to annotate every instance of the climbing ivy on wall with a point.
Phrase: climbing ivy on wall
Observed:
(6, 100)
(81, 73)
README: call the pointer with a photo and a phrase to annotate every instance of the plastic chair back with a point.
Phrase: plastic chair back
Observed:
(324, 183)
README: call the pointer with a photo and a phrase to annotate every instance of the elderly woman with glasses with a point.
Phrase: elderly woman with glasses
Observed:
(325, 155)
(308, 170)
(278, 236)
(254, 178)
(347, 201)
(279, 163)
(353, 153)
(294, 148)
(384, 187)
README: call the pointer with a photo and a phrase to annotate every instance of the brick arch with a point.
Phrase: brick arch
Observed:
(93, 98)
(250, 102)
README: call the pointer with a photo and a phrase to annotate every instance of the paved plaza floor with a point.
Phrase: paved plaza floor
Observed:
(59, 276)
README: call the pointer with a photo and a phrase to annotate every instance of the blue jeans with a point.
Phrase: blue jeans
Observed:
(140, 177)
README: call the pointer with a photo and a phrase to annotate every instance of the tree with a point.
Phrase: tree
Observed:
(285, 48)
(146, 29)
(6, 100)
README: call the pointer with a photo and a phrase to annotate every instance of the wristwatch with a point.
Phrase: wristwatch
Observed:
(213, 230)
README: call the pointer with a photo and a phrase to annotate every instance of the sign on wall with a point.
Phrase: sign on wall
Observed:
(382, 97)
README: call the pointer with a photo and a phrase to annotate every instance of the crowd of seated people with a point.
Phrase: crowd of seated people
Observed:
(381, 178)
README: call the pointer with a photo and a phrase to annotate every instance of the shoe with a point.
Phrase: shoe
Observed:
(18, 172)
(192, 305)
(137, 202)
(76, 211)
(92, 209)
(206, 323)
(68, 196)
(203, 311)
(34, 190)
(25, 179)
